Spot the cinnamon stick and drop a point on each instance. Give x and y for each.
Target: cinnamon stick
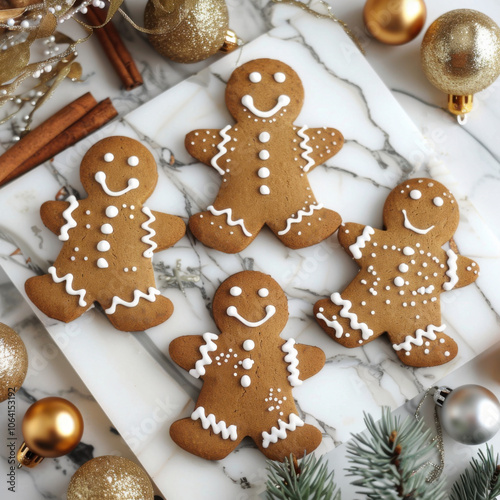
(114, 48)
(42, 135)
(93, 120)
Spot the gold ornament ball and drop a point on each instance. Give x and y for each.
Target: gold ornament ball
(461, 52)
(394, 22)
(110, 478)
(195, 29)
(13, 362)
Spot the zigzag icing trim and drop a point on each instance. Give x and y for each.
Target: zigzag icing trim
(332, 324)
(222, 150)
(300, 214)
(366, 332)
(291, 359)
(68, 278)
(226, 432)
(361, 240)
(418, 340)
(308, 149)
(147, 239)
(452, 270)
(150, 296)
(210, 346)
(70, 222)
(229, 219)
(276, 433)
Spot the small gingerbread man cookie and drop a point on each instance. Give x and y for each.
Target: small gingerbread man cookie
(109, 240)
(404, 270)
(264, 160)
(248, 374)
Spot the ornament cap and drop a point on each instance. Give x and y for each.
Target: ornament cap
(441, 394)
(28, 458)
(460, 104)
(231, 42)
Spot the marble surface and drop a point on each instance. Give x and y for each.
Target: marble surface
(373, 373)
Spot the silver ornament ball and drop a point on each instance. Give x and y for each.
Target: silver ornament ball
(470, 414)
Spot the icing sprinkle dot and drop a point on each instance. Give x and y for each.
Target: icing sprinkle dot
(264, 136)
(264, 154)
(235, 291)
(403, 268)
(111, 211)
(106, 229)
(438, 201)
(415, 194)
(102, 263)
(255, 77)
(399, 281)
(279, 77)
(109, 157)
(133, 161)
(248, 345)
(263, 292)
(245, 381)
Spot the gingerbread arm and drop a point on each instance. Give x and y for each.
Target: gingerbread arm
(51, 213)
(311, 360)
(354, 238)
(202, 144)
(169, 230)
(185, 351)
(466, 271)
(318, 145)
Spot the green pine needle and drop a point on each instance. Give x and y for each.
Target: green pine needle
(481, 480)
(313, 482)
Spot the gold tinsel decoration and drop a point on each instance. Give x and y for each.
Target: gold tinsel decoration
(13, 362)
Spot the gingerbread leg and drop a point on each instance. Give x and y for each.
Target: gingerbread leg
(54, 300)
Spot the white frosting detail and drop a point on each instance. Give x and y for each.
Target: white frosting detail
(100, 177)
(423, 290)
(235, 291)
(403, 268)
(291, 359)
(111, 211)
(226, 432)
(415, 194)
(399, 281)
(279, 77)
(70, 222)
(264, 136)
(222, 150)
(263, 172)
(229, 219)
(361, 240)
(298, 219)
(233, 312)
(418, 340)
(102, 263)
(103, 246)
(264, 190)
(150, 296)
(408, 251)
(276, 433)
(308, 149)
(148, 253)
(106, 229)
(264, 154)
(247, 363)
(263, 292)
(245, 381)
(452, 270)
(109, 157)
(209, 346)
(410, 226)
(366, 332)
(68, 278)
(255, 77)
(247, 101)
(332, 324)
(438, 201)
(249, 345)
(133, 161)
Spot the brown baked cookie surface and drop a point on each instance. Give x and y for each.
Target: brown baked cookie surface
(264, 160)
(109, 240)
(248, 374)
(404, 270)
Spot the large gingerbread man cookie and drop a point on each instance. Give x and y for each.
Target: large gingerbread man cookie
(263, 161)
(109, 240)
(404, 270)
(248, 374)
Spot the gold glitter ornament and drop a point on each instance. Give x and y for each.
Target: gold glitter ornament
(13, 362)
(198, 28)
(460, 56)
(110, 478)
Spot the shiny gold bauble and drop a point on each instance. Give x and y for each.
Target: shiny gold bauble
(52, 427)
(196, 29)
(394, 22)
(110, 478)
(13, 362)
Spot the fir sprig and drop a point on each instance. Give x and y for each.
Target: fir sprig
(481, 480)
(390, 460)
(311, 482)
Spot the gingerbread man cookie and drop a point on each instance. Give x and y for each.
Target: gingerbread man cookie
(264, 160)
(248, 374)
(404, 270)
(109, 240)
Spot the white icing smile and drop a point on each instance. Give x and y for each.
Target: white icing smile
(100, 177)
(410, 226)
(247, 101)
(233, 311)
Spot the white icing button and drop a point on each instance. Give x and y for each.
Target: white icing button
(111, 211)
(102, 263)
(403, 268)
(264, 154)
(398, 281)
(263, 173)
(247, 363)
(109, 157)
(263, 292)
(133, 161)
(264, 190)
(245, 381)
(408, 251)
(106, 229)
(264, 136)
(103, 246)
(248, 345)
(415, 194)
(235, 291)
(255, 77)
(279, 77)
(438, 201)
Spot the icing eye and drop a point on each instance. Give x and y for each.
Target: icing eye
(111, 211)
(109, 157)
(415, 194)
(438, 201)
(280, 77)
(133, 161)
(235, 291)
(255, 77)
(263, 292)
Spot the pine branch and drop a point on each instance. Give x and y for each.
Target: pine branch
(390, 461)
(481, 480)
(311, 482)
